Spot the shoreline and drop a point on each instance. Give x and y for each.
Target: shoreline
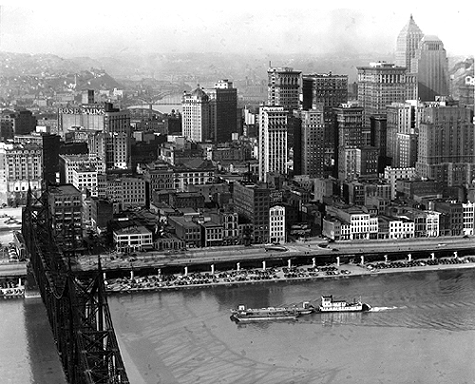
(205, 280)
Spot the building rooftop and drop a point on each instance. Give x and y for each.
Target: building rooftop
(133, 230)
(64, 189)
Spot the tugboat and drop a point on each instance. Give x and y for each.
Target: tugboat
(330, 305)
(243, 314)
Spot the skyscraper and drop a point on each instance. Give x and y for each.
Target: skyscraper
(312, 145)
(330, 91)
(223, 106)
(431, 66)
(272, 141)
(349, 123)
(379, 85)
(117, 129)
(407, 44)
(402, 131)
(283, 88)
(196, 115)
(446, 144)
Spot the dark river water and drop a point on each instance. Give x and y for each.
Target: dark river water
(421, 330)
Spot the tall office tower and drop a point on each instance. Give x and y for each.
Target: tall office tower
(379, 85)
(446, 142)
(117, 128)
(432, 68)
(403, 121)
(65, 206)
(195, 122)
(312, 146)
(407, 44)
(283, 88)
(51, 147)
(330, 91)
(273, 154)
(349, 124)
(223, 106)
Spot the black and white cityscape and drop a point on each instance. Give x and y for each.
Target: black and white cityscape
(163, 169)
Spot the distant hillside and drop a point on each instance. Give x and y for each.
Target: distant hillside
(17, 64)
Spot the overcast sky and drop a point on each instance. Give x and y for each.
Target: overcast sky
(314, 27)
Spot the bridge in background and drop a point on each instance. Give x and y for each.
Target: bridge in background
(77, 308)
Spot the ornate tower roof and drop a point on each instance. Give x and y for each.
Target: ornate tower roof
(407, 43)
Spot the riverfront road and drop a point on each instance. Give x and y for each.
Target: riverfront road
(400, 248)
(17, 269)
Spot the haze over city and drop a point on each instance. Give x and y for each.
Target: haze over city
(93, 28)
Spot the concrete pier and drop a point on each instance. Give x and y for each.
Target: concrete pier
(186, 271)
(362, 260)
(263, 265)
(314, 262)
(289, 263)
(338, 261)
(132, 274)
(409, 257)
(238, 267)
(432, 256)
(385, 258)
(212, 269)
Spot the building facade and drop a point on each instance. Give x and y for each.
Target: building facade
(23, 165)
(432, 68)
(196, 116)
(283, 88)
(329, 91)
(379, 85)
(277, 225)
(223, 110)
(252, 202)
(273, 155)
(65, 208)
(312, 146)
(446, 144)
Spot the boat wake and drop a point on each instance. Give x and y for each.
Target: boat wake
(381, 309)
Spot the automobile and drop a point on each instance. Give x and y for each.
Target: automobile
(466, 236)
(335, 249)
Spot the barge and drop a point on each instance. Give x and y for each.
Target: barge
(243, 314)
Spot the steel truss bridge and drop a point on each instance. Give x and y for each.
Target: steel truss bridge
(77, 309)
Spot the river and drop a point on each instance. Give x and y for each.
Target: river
(28, 354)
(421, 330)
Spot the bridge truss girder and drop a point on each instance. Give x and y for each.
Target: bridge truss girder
(77, 310)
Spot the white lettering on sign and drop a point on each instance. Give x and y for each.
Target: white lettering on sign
(469, 80)
(82, 111)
